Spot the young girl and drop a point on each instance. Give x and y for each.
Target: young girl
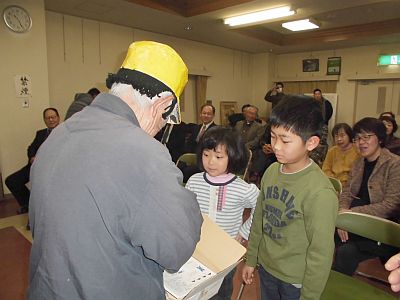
(341, 157)
(220, 193)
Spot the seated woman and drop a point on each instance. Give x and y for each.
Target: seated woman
(373, 188)
(341, 157)
(392, 143)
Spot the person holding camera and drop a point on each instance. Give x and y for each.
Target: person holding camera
(275, 94)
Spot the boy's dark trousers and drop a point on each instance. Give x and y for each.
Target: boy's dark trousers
(273, 288)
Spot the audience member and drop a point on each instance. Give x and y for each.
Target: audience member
(392, 143)
(318, 155)
(263, 156)
(17, 181)
(275, 94)
(207, 114)
(221, 194)
(373, 188)
(291, 238)
(393, 265)
(108, 209)
(341, 157)
(81, 100)
(178, 136)
(249, 129)
(234, 118)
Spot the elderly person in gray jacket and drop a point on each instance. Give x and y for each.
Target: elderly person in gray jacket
(108, 211)
(373, 188)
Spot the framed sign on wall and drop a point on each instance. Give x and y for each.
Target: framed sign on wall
(334, 65)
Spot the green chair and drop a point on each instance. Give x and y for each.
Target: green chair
(343, 287)
(190, 159)
(336, 184)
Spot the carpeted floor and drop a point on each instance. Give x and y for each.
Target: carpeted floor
(14, 263)
(15, 245)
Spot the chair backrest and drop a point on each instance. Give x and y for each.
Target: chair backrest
(371, 227)
(245, 173)
(190, 159)
(336, 184)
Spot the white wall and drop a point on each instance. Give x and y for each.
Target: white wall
(358, 61)
(22, 54)
(65, 54)
(82, 56)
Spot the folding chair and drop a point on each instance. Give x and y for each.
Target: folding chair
(246, 174)
(190, 159)
(336, 184)
(343, 287)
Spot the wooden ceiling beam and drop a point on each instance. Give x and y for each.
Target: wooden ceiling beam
(199, 7)
(173, 7)
(323, 36)
(188, 8)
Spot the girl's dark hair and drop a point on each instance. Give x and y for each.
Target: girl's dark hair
(372, 125)
(347, 129)
(237, 151)
(299, 114)
(385, 113)
(391, 120)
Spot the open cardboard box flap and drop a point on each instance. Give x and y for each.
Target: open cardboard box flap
(219, 252)
(216, 249)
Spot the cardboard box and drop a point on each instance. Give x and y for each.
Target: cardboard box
(218, 252)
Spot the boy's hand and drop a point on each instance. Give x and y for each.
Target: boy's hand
(248, 274)
(344, 236)
(393, 265)
(267, 149)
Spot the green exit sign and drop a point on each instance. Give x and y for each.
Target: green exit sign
(385, 60)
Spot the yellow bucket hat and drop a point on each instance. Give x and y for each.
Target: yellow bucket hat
(161, 62)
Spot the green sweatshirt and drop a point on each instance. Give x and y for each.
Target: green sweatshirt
(293, 228)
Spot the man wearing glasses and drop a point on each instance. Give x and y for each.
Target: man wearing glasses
(16, 181)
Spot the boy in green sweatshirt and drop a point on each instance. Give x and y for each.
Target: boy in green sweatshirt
(291, 237)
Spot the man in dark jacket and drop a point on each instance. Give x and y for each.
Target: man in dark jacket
(108, 211)
(275, 94)
(17, 181)
(81, 100)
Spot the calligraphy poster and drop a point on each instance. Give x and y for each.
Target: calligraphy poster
(23, 86)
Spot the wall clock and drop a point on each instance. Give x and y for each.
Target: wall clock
(17, 19)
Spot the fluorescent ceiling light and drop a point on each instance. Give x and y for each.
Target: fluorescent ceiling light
(260, 16)
(299, 25)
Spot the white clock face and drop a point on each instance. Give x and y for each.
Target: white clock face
(17, 19)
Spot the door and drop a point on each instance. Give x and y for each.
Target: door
(376, 96)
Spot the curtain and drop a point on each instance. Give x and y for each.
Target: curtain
(201, 88)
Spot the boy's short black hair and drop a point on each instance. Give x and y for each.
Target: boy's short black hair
(347, 129)
(299, 114)
(93, 92)
(279, 83)
(317, 90)
(372, 125)
(237, 151)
